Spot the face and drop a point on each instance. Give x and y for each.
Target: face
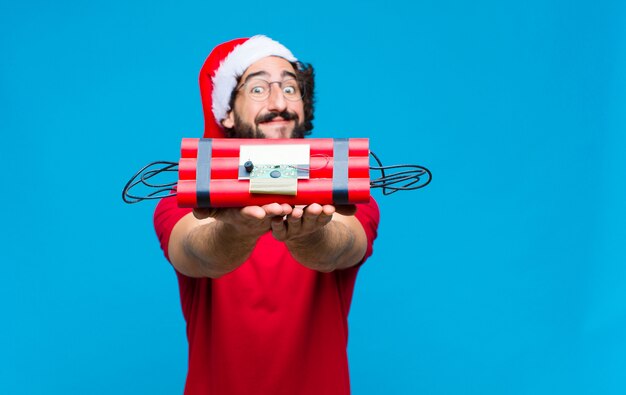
(274, 117)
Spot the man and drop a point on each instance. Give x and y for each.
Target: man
(265, 290)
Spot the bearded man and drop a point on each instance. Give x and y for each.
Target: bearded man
(265, 290)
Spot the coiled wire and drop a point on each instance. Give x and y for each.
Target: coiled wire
(409, 177)
(143, 176)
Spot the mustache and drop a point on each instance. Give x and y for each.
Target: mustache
(286, 115)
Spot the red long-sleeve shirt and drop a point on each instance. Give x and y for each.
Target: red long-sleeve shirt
(272, 326)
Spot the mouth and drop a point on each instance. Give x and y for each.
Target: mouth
(276, 118)
(276, 124)
(275, 121)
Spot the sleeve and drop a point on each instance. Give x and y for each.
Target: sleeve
(166, 215)
(368, 215)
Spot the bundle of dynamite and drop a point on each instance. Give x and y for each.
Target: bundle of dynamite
(242, 172)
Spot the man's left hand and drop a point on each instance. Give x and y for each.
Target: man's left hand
(306, 220)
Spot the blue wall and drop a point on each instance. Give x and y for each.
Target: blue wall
(505, 276)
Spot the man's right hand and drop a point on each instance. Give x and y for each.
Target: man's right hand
(213, 242)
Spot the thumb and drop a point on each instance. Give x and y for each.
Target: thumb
(202, 213)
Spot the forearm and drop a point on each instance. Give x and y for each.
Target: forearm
(209, 247)
(329, 248)
(211, 243)
(217, 249)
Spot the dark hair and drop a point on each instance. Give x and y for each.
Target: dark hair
(306, 80)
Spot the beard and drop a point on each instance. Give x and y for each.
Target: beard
(245, 130)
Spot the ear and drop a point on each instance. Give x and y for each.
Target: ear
(229, 121)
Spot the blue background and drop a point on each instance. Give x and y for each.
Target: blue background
(505, 276)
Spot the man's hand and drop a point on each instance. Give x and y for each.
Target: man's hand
(213, 242)
(322, 238)
(306, 220)
(251, 221)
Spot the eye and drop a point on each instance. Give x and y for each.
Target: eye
(257, 89)
(290, 88)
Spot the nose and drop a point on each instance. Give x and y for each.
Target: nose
(276, 101)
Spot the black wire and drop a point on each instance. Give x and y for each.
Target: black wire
(152, 173)
(142, 177)
(407, 178)
(410, 177)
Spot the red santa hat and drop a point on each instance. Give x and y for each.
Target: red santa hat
(218, 76)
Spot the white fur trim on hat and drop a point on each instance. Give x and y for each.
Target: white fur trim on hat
(236, 63)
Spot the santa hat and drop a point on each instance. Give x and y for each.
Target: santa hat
(218, 76)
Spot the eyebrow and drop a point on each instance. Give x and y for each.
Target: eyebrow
(256, 74)
(263, 73)
(286, 73)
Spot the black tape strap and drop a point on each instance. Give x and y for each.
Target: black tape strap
(340, 171)
(203, 173)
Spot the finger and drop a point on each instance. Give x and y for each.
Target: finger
(346, 209)
(316, 213)
(322, 220)
(326, 214)
(287, 209)
(313, 210)
(310, 217)
(203, 213)
(275, 209)
(279, 230)
(328, 209)
(255, 212)
(296, 214)
(294, 221)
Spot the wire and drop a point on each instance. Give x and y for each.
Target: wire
(317, 168)
(145, 174)
(407, 178)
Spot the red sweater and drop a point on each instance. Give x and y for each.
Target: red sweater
(270, 327)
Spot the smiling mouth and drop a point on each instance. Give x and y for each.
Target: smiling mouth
(277, 117)
(275, 121)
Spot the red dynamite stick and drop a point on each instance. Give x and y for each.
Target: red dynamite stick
(189, 148)
(186, 193)
(228, 168)
(187, 168)
(231, 147)
(235, 193)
